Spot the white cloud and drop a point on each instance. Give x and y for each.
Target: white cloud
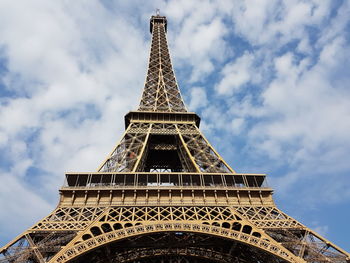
(301, 95)
(298, 114)
(309, 120)
(198, 98)
(28, 206)
(237, 125)
(198, 41)
(236, 74)
(304, 46)
(71, 76)
(274, 23)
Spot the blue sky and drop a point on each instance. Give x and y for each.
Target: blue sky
(270, 80)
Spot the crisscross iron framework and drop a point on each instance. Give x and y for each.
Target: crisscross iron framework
(165, 195)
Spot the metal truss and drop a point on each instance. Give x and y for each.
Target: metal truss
(165, 247)
(268, 217)
(299, 239)
(165, 195)
(161, 92)
(110, 235)
(72, 218)
(93, 227)
(36, 247)
(195, 152)
(125, 155)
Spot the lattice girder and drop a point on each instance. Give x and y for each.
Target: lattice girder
(296, 237)
(103, 239)
(35, 246)
(121, 222)
(194, 151)
(193, 246)
(80, 220)
(125, 155)
(161, 92)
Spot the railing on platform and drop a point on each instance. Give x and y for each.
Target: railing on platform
(152, 180)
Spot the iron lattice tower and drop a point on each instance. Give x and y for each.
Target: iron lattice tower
(165, 195)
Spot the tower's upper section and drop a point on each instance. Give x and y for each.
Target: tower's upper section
(157, 19)
(161, 92)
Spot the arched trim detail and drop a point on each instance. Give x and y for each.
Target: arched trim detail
(80, 248)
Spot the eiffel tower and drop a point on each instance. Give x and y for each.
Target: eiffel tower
(165, 195)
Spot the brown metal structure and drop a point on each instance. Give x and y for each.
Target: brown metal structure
(165, 195)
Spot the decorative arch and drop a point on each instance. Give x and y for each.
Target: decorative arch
(93, 242)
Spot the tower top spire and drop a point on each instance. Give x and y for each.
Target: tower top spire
(161, 92)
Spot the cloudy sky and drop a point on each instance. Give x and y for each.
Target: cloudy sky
(270, 80)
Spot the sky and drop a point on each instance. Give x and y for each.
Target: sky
(270, 80)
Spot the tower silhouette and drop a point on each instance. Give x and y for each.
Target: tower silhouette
(165, 195)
